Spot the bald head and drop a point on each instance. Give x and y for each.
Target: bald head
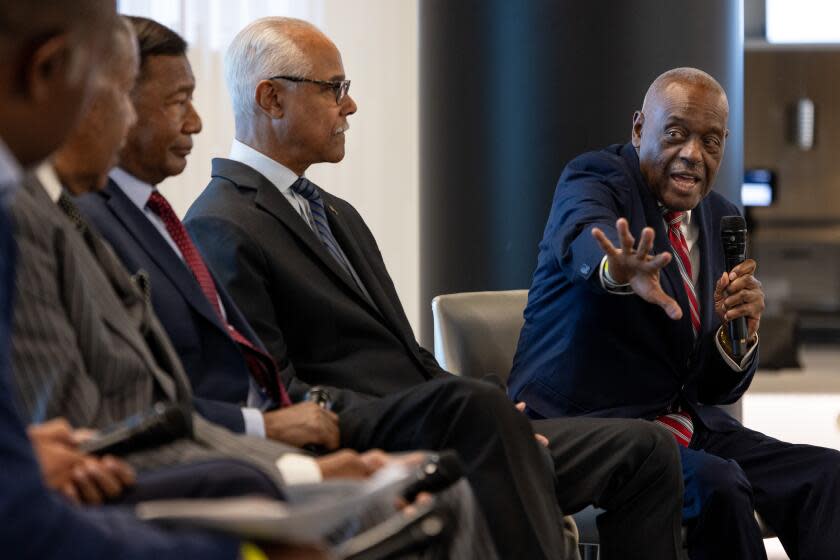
(680, 134)
(681, 77)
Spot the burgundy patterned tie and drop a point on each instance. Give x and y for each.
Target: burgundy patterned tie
(262, 366)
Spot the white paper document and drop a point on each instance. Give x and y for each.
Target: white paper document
(311, 512)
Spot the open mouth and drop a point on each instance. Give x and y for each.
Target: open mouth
(685, 181)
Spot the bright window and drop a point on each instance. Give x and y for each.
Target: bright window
(803, 21)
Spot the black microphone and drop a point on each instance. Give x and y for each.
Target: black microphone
(733, 233)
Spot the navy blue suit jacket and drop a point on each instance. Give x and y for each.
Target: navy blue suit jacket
(583, 351)
(213, 361)
(39, 524)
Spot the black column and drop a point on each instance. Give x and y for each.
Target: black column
(511, 90)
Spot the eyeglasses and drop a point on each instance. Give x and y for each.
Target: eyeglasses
(340, 87)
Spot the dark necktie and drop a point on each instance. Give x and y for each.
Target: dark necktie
(262, 366)
(310, 192)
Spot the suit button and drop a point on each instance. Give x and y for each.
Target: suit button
(584, 269)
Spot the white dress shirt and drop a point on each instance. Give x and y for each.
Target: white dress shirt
(277, 174)
(691, 232)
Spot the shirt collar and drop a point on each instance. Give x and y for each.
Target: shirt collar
(136, 190)
(280, 176)
(686, 220)
(49, 180)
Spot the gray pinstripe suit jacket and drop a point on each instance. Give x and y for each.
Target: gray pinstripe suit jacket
(87, 345)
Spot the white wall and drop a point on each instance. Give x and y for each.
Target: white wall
(379, 175)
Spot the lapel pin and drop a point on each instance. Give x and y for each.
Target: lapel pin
(333, 210)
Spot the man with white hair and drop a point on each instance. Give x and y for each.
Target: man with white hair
(305, 270)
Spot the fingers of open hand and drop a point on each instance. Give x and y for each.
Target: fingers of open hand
(656, 263)
(666, 302)
(645, 244)
(605, 243)
(625, 238)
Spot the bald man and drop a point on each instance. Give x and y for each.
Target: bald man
(616, 328)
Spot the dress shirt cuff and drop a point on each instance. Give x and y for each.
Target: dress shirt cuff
(609, 284)
(254, 423)
(745, 361)
(299, 469)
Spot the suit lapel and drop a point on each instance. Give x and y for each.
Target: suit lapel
(136, 309)
(670, 277)
(271, 200)
(151, 241)
(706, 281)
(349, 243)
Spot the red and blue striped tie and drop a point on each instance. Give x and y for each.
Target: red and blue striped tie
(679, 423)
(675, 235)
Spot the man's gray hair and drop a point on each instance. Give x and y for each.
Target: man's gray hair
(264, 48)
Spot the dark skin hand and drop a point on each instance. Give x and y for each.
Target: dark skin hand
(303, 424)
(637, 267)
(737, 294)
(79, 477)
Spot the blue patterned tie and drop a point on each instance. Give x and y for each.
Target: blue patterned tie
(309, 191)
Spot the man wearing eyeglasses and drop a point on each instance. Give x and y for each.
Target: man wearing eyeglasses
(306, 272)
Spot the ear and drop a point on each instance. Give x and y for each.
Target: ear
(269, 97)
(638, 123)
(49, 65)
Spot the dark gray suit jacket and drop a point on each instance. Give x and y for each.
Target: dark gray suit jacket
(301, 302)
(87, 345)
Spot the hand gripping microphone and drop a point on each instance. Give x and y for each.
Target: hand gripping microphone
(733, 233)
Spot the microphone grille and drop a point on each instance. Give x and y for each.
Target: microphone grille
(733, 223)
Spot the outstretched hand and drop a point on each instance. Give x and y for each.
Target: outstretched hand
(636, 267)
